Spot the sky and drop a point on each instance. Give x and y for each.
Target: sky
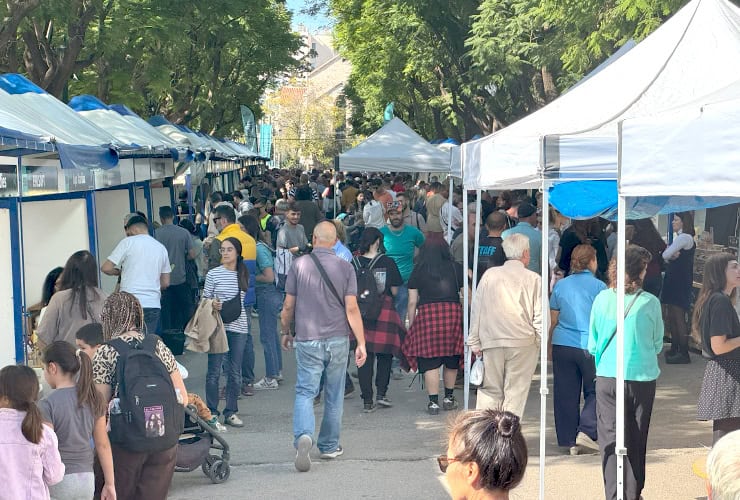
(313, 23)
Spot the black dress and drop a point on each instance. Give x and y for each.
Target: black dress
(679, 280)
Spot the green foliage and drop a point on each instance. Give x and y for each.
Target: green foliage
(194, 61)
(463, 67)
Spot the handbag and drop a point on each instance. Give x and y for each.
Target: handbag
(232, 308)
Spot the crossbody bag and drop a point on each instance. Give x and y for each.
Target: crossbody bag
(614, 333)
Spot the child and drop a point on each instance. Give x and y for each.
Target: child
(89, 337)
(77, 412)
(29, 459)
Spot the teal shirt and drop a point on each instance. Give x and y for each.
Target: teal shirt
(643, 336)
(264, 260)
(400, 246)
(535, 244)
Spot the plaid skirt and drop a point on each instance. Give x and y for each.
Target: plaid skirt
(436, 331)
(386, 334)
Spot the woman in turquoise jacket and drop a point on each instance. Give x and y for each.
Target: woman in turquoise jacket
(643, 341)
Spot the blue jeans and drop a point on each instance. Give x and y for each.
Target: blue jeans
(248, 355)
(401, 301)
(314, 358)
(151, 319)
(233, 360)
(269, 302)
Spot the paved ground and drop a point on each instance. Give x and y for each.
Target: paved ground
(390, 454)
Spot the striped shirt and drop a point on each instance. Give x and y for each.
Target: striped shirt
(223, 285)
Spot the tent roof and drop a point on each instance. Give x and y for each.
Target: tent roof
(690, 151)
(395, 147)
(575, 136)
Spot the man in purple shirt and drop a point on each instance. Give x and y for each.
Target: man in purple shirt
(327, 312)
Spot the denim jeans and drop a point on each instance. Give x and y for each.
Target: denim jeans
(269, 302)
(314, 357)
(401, 301)
(248, 354)
(233, 360)
(151, 319)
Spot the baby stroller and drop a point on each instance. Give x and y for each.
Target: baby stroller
(196, 442)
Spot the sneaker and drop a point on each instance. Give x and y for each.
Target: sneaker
(255, 313)
(332, 454)
(370, 407)
(247, 389)
(233, 421)
(585, 444)
(449, 403)
(302, 457)
(575, 450)
(279, 377)
(679, 358)
(384, 401)
(433, 408)
(349, 392)
(218, 426)
(266, 384)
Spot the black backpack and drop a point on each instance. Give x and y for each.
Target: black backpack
(145, 416)
(369, 298)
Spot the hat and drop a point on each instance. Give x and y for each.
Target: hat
(393, 206)
(525, 210)
(132, 219)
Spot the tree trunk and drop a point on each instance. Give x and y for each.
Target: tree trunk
(548, 85)
(18, 10)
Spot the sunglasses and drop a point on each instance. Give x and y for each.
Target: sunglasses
(216, 219)
(444, 461)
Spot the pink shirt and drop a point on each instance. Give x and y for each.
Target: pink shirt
(26, 469)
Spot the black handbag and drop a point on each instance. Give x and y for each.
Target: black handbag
(232, 308)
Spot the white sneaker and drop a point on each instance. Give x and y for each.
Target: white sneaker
(266, 384)
(233, 421)
(302, 457)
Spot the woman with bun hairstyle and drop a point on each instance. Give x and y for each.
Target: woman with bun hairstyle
(76, 411)
(486, 455)
(29, 458)
(716, 319)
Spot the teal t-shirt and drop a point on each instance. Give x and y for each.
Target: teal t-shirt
(400, 247)
(264, 260)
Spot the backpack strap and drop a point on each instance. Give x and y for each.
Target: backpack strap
(374, 261)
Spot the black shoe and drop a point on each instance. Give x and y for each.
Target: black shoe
(433, 408)
(449, 403)
(384, 401)
(349, 391)
(679, 358)
(369, 407)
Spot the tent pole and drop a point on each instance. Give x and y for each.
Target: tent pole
(466, 301)
(22, 268)
(545, 288)
(476, 245)
(449, 213)
(621, 451)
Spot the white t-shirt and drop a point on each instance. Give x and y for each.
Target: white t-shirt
(142, 260)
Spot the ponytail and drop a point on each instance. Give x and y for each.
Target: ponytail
(20, 387)
(73, 362)
(32, 426)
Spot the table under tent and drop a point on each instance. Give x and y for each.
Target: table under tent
(575, 138)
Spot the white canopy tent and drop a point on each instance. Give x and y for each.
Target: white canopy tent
(395, 147)
(686, 58)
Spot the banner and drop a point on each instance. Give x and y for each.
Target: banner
(266, 140)
(250, 127)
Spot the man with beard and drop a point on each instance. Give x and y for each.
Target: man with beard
(401, 242)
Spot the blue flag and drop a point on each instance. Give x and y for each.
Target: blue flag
(388, 113)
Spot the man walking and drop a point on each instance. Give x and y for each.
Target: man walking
(144, 267)
(527, 226)
(401, 242)
(490, 249)
(291, 241)
(434, 208)
(321, 292)
(177, 299)
(506, 327)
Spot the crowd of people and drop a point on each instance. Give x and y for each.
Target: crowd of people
(332, 265)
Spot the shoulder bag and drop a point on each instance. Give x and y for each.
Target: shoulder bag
(326, 279)
(626, 313)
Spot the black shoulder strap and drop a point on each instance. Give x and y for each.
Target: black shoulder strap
(326, 278)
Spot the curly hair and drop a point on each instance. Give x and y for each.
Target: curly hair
(636, 260)
(122, 313)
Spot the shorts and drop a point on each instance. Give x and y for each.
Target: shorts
(450, 362)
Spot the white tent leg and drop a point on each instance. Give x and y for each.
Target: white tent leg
(545, 331)
(621, 451)
(449, 213)
(466, 301)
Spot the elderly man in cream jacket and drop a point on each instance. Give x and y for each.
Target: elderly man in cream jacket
(506, 327)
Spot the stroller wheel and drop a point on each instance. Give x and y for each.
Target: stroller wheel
(219, 472)
(208, 463)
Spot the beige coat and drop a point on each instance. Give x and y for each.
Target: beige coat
(206, 330)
